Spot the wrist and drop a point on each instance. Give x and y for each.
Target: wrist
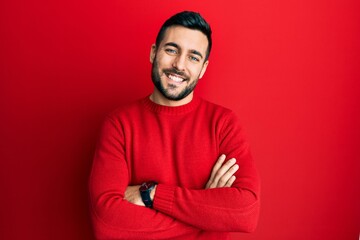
(147, 193)
(152, 193)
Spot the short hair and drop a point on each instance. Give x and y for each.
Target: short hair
(187, 19)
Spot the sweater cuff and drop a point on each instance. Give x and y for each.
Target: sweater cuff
(164, 198)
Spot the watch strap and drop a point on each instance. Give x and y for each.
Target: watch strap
(145, 190)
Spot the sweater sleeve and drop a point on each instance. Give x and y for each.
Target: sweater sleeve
(219, 209)
(112, 216)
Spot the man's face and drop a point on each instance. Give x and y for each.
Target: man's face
(179, 62)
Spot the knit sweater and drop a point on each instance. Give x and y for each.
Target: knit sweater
(177, 147)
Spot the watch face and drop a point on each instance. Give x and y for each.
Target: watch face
(147, 185)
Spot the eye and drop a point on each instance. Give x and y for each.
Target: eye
(195, 59)
(170, 51)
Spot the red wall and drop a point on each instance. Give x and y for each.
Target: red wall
(290, 69)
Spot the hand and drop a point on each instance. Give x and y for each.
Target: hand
(222, 175)
(132, 195)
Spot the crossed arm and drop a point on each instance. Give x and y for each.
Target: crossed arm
(222, 175)
(177, 210)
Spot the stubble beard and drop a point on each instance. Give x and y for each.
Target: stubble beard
(156, 79)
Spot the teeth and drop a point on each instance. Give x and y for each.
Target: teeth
(176, 79)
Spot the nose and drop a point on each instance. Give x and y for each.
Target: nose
(179, 62)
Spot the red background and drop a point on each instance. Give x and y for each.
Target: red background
(290, 69)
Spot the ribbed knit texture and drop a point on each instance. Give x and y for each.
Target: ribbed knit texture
(177, 147)
(164, 198)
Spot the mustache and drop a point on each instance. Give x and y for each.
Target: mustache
(175, 71)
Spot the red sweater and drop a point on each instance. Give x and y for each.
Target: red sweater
(176, 147)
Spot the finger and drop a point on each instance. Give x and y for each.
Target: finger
(225, 178)
(222, 171)
(231, 181)
(216, 167)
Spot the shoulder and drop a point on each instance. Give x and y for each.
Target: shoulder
(127, 110)
(224, 118)
(217, 110)
(128, 107)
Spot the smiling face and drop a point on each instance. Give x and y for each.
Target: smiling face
(178, 63)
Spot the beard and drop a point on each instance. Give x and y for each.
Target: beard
(166, 92)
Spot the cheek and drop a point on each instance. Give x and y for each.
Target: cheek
(164, 61)
(195, 71)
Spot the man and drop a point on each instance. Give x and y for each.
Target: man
(172, 165)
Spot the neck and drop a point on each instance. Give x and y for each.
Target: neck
(158, 98)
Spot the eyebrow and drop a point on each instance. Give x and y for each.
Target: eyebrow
(172, 44)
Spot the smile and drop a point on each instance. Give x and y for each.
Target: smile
(175, 78)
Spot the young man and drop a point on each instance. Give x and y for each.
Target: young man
(172, 165)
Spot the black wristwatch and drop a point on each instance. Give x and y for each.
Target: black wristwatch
(145, 190)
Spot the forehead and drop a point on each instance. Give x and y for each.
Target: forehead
(185, 38)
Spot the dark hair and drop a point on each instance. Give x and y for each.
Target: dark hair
(190, 20)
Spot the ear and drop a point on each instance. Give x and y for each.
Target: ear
(152, 53)
(203, 70)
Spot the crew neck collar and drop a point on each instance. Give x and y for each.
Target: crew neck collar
(173, 110)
